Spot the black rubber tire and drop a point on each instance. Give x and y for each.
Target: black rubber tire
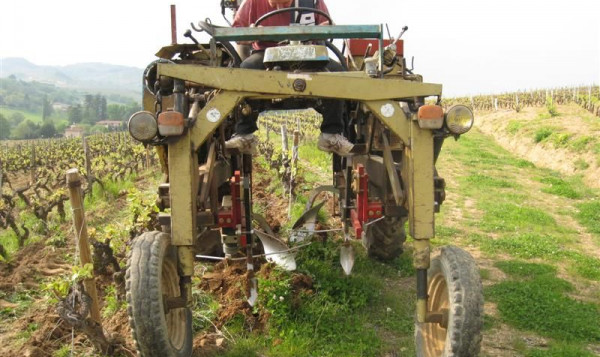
(453, 283)
(383, 239)
(151, 274)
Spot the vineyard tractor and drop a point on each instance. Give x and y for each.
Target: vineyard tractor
(193, 95)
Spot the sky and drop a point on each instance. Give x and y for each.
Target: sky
(470, 46)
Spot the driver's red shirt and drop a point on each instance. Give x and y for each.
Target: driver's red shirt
(252, 10)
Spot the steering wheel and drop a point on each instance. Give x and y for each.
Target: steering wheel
(290, 9)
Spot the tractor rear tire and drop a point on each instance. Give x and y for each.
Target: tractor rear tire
(151, 277)
(453, 284)
(384, 238)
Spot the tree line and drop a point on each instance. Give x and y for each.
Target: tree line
(27, 102)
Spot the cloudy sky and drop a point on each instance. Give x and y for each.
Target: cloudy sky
(470, 46)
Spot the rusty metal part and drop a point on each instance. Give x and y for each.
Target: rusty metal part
(391, 171)
(186, 267)
(173, 25)
(421, 254)
(438, 317)
(299, 85)
(246, 109)
(207, 172)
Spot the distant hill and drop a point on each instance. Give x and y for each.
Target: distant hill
(88, 77)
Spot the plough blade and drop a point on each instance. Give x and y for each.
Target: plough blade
(307, 222)
(277, 251)
(347, 257)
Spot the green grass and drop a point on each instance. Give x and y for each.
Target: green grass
(8, 239)
(521, 269)
(339, 315)
(485, 181)
(584, 265)
(582, 143)
(538, 302)
(558, 186)
(528, 245)
(560, 349)
(510, 217)
(560, 140)
(514, 126)
(581, 164)
(542, 134)
(589, 215)
(22, 299)
(34, 117)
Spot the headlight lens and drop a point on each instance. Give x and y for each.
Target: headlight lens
(142, 126)
(459, 119)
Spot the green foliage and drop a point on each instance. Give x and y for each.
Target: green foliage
(63, 351)
(47, 130)
(4, 128)
(112, 303)
(542, 133)
(22, 299)
(25, 130)
(551, 107)
(540, 303)
(330, 316)
(581, 164)
(204, 308)
(581, 144)
(142, 208)
(30, 96)
(244, 348)
(59, 287)
(560, 139)
(514, 126)
(275, 294)
(9, 241)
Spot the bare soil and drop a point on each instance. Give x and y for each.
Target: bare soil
(544, 154)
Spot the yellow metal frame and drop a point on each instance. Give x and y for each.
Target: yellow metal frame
(379, 95)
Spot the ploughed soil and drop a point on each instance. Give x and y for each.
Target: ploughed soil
(34, 328)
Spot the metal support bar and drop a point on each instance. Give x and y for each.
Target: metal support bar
(342, 85)
(390, 167)
(300, 33)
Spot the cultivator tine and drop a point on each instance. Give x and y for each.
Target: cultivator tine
(347, 257)
(346, 250)
(252, 281)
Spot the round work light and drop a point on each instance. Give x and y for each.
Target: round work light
(459, 119)
(143, 126)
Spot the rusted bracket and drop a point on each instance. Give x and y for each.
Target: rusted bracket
(439, 317)
(388, 160)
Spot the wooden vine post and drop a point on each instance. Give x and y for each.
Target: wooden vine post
(85, 256)
(293, 170)
(88, 161)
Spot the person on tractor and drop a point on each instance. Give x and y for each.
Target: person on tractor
(331, 139)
